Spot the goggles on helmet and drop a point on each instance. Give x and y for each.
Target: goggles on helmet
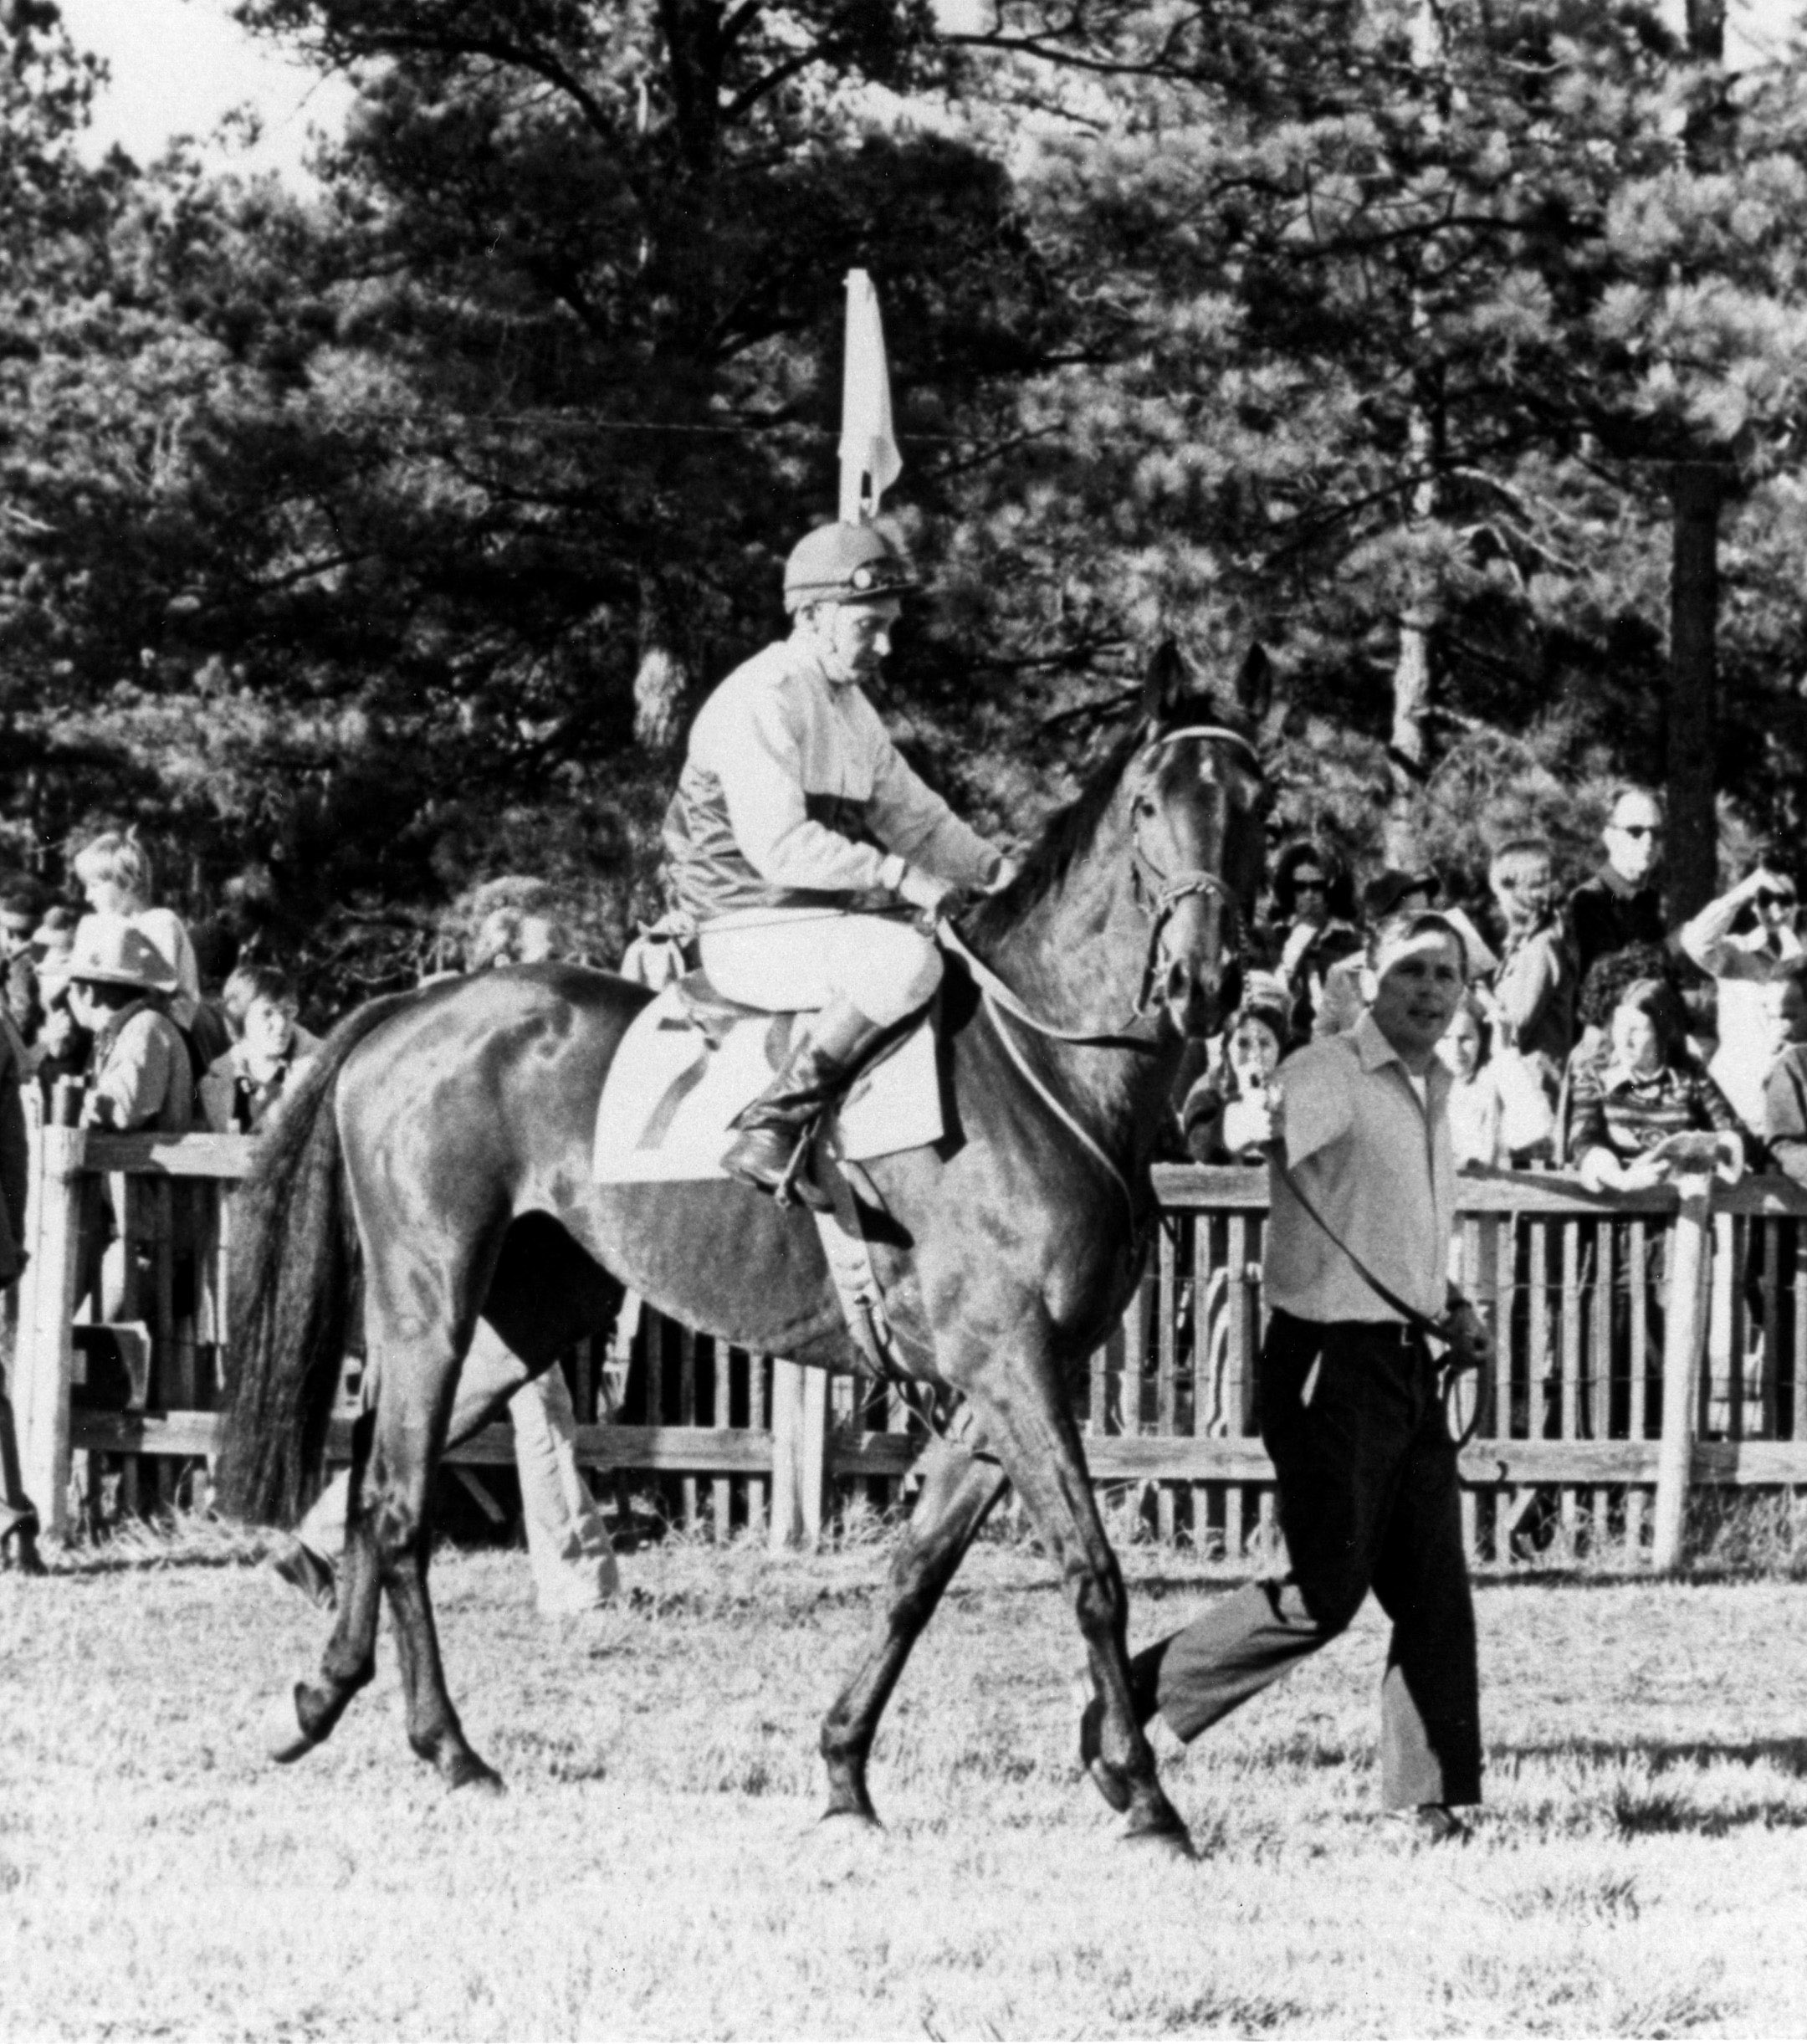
(871, 575)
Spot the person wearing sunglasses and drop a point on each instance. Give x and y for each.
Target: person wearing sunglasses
(1749, 942)
(1313, 930)
(1621, 904)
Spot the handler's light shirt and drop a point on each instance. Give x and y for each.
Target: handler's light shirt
(1379, 1168)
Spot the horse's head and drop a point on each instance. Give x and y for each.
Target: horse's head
(1197, 800)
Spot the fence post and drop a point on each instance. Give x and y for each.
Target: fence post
(799, 1455)
(46, 1344)
(1682, 1336)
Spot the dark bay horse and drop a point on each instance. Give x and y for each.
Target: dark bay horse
(435, 1161)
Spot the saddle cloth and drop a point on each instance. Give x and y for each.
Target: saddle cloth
(685, 1069)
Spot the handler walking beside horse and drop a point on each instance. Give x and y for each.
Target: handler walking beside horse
(1363, 1196)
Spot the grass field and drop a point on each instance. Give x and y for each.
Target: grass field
(656, 1870)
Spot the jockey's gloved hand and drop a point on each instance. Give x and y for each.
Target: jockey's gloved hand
(923, 890)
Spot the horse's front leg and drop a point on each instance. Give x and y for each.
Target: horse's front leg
(958, 1490)
(1017, 1394)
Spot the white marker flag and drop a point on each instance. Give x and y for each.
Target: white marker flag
(870, 463)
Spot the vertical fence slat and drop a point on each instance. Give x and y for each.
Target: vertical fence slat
(1798, 1359)
(1505, 1240)
(1204, 1368)
(758, 1415)
(1167, 1366)
(1770, 1236)
(1600, 1326)
(1690, 1247)
(1731, 1240)
(1637, 1289)
(46, 1352)
(1171, 1294)
(687, 1409)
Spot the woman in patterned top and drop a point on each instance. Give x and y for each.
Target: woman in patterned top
(1642, 1088)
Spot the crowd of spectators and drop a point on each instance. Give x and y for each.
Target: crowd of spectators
(1593, 1036)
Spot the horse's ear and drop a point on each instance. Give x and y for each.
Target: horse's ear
(1255, 683)
(1164, 687)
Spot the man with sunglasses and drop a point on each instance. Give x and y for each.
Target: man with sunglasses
(797, 832)
(1621, 904)
(1757, 971)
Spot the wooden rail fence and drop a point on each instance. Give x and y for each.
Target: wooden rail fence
(1648, 1346)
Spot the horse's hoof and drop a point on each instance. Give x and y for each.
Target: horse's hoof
(464, 1771)
(852, 1817)
(1111, 1783)
(1172, 1841)
(285, 1738)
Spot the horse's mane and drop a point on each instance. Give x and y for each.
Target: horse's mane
(1070, 832)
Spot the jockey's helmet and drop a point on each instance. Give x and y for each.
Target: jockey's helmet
(845, 563)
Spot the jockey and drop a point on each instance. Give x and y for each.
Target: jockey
(797, 830)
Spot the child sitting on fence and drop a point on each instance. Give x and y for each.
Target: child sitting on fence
(1641, 1091)
(116, 873)
(1475, 1107)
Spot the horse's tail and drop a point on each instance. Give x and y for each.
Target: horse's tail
(293, 1265)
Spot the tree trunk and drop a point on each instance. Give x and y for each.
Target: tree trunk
(1696, 490)
(1408, 743)
(1406, 748)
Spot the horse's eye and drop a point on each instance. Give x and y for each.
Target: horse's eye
(1146, 806)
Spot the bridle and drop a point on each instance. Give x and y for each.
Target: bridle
(1157, 894)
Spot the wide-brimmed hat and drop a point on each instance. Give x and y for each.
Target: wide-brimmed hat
(111, 950)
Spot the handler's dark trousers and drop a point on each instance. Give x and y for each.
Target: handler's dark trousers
(1368, 1499)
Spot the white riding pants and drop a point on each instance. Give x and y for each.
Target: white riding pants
(783, 959)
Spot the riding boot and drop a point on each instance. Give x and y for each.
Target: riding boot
(819, 1069)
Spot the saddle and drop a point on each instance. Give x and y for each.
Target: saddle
(693, 1059)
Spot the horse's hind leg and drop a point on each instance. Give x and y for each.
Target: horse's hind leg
(958, 1490)
(350, 1657)
(413, 1411)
